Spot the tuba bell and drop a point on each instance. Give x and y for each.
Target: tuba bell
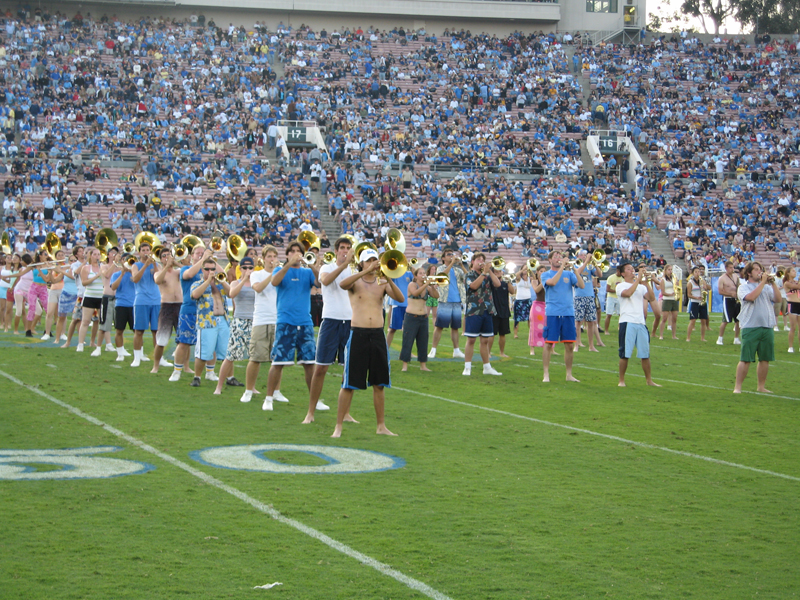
(393, 264)
(104, 241)
(395, 240)
(308, 239)
(146, 237)
(191, 242)
(235, 248)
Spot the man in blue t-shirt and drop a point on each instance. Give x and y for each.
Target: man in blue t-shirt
(398, 308)
(146, 303)
(123, 310)
(294, 330)
(187, 318)
(560, 309)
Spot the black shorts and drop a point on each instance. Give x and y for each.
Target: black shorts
(500, 325)
(730, 310)
(698, 311)
(92, 303)
(366, 359)
(123, 316)
(794, 308)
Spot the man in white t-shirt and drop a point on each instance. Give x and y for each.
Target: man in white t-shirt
(334, 331)
(632, 292)
(265, 316)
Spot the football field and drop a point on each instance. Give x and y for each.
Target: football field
(115, 483)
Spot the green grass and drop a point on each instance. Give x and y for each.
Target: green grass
(490, 503)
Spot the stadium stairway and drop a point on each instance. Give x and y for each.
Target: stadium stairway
(329, 224)
(660, 245)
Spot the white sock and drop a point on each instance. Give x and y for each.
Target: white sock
(468, 366)
(120, 350)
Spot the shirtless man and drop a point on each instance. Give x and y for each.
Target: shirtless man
(727, 285)
(169, 284)
(366, 356)
(108, 306)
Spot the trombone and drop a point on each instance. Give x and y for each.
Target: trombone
(440, 279)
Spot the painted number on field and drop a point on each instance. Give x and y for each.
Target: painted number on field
(256, 457)
(70, 463)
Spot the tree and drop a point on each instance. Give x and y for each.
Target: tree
(769, 16)
(716, 10)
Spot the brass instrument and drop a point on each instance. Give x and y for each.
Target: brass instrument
(395, 240)
(328, 258)
(128, 248)
(310, 259)
(104, 241)
(308, 239)
(413, 262)
(191, 242)
(393, 264)
(360, 247)
(440, 279)
(499, 263)
(217, 242)
(5, 243)
(52, 245)
(48, 262)
(221, 277)
(532, 264)
(780, 273)
(146, 237)
(598, 256)
(180, 252)
(352, 239)
(235, 248)
(130, 261)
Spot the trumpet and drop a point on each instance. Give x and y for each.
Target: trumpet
(128, 248)
(532, 264)
(180, 252)
(328, 258)
(499, 263)
(221, 277)
(440, 279)
(413, 262)
(310, 258)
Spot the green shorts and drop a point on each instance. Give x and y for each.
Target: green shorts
(758, 340)
(431, 301)
(670, 306)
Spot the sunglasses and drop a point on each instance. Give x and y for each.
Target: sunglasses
(209, 269)
(248, 268)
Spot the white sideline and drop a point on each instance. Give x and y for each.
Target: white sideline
(266, 509)
(601, 435)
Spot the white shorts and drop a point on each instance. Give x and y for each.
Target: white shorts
(612, 305)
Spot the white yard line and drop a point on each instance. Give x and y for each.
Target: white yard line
(258, 505)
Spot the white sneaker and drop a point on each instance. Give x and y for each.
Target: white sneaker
(791, 350)
(785, 328)
(737, 341)
(45, 337)
(489, 370)
(63, 337)
(720, 342)
(432, 353)
(775, 328)
(164, 363)
(211, 376)
(458, 353)
(143, 358)
(125, 353)
(176, 376)
(110, 348)
(267, 404)
(278, 397)
(79, 348)
(120, 358)
(322, 406)
(97, 351)
(467, 370)
(136, 362)
(247, 396)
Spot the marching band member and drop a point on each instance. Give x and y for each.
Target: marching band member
(560, 310)
(448, 313)
(53, 295)
(585, 311)
(125, 294)
(523, 299)
(147, 302)
(538, 318)
(37, 292)
(633, 292)
(108, 303)
(241, 324)
(213, 329)
(92, 280)
(758, 295)
(480, 310)
(612, 302)
(367, 354)
(265, 315)
(294, 330)
(502, 307)
(669, 304)
(80, 254)
(187, 318)
(792, 289)
(415, 325)
(726, 287)
(168, 280)
(698, 309)
(398, 309)
(335, 328)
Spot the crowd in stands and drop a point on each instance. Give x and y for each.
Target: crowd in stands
(463, 140)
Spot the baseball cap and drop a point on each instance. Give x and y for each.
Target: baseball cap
(367, 254)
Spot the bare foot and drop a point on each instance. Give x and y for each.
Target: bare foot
(533, 353)
(675, 338)
(504, 356)
(424, 368)
(65, 345)
(601, 344)
(383, 431)
(621, 384)
(349, 419)
(661, 337)
(735, 391)
(546, 379)
(593, 350)
(337, 432)
(217, 392)
(556, 353)
(309, 419)
(688, 340)
(404, 369)
(571, 378)
(191, 372)
(764, 391)
(653, 383)
(516, 337)
(581, 345)
(154, 370)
